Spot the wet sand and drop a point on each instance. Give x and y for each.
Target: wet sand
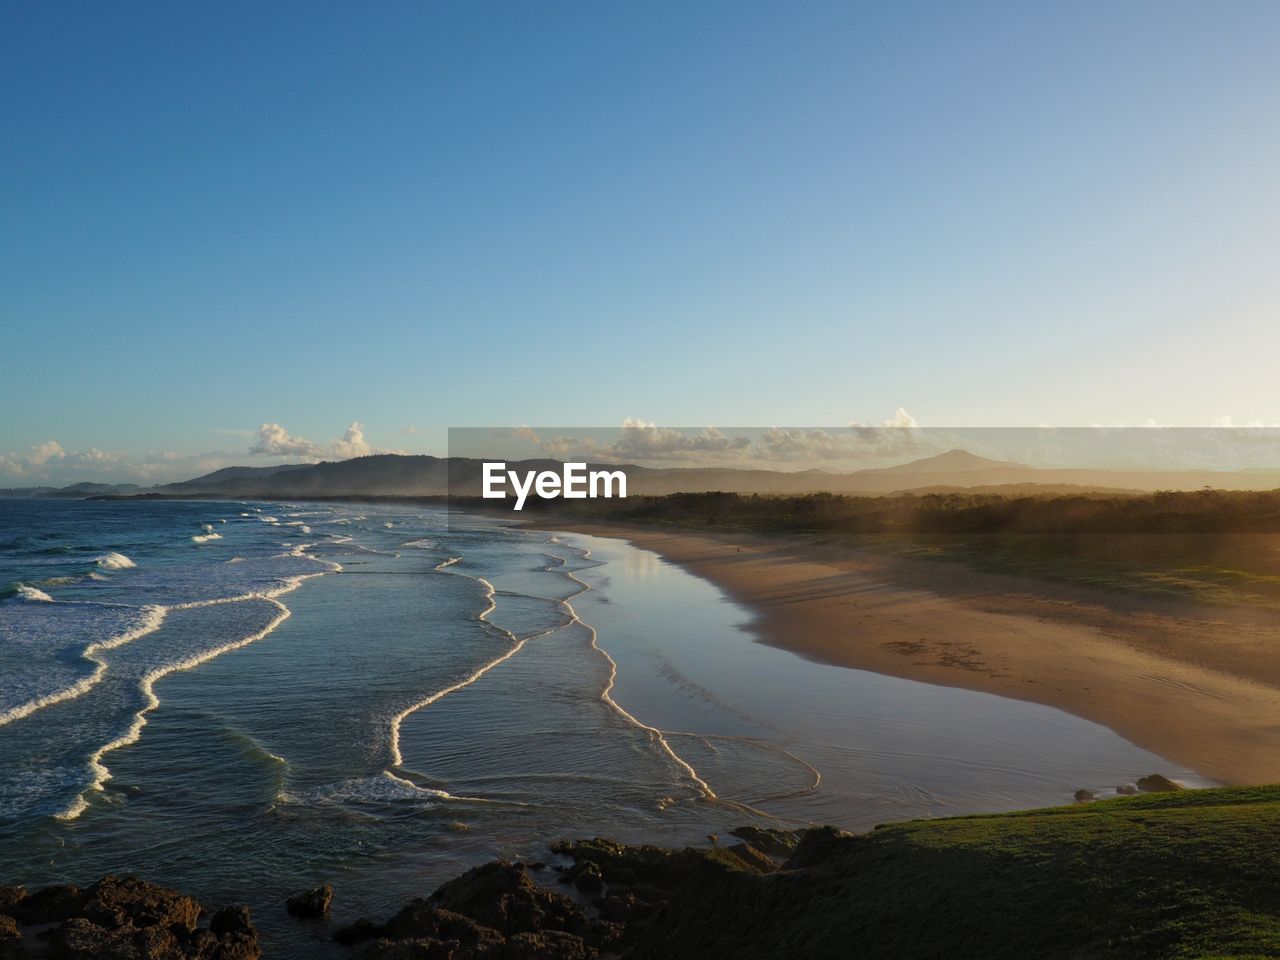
(1197, 685)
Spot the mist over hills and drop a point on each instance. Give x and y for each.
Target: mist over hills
(394, 475)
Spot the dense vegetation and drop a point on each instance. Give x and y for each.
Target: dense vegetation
(1201, 511)
(1209, 546)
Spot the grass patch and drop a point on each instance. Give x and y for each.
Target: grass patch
(1184, 875)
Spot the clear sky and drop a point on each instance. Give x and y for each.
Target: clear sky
(409, 216)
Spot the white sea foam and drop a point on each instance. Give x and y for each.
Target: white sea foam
(379, 788)
(115, 561)
(656, 735)
(97, 768)
(206, 537)
(149, 619)
(517, 644)
(99, 772)
(23, 592)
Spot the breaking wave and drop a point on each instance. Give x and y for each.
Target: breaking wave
(115, 561)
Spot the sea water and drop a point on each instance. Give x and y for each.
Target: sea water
(242, 700)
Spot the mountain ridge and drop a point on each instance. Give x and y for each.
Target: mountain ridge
(422, 475)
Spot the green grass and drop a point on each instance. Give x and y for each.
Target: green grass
(1184, 875)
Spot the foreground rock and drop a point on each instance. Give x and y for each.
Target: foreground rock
(1157, 783)
(497, 911)
(493, 911)
(311, 904)
(120, 918)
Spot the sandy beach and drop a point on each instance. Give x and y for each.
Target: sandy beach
(1197, 685)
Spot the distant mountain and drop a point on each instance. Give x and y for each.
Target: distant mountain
(390, 475)
(241, 473)
(953, 461)
(76, 491)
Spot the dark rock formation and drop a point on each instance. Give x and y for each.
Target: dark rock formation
(358, 932)
(816, 847)
(120, 902)
(497, 911)
(10, 897)
(49, 905)
(753, 857)
(311, 904)
(124, 918)
(1157, 783)
(493, 911)
(547, 945)
(10, 936)
(501, 895)
(776, 844)
(1084, 796)
(1126, 790)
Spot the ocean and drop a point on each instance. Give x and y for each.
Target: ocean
(242, 700)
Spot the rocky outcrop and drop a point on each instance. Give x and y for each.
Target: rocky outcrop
(502, 895)
(311, 904)
(122, 918)
(775, 844)
(494, 911)
(10, 897)
(497, 911)
(1157, 783)
(10, 937)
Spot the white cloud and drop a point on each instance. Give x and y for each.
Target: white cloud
(1253, 424)
(275, 441)
(49, 463)
(647, 441)
(49, 458)
(408, 431)
(644, 442)
(352, 443)
(30, 463)
(42, 453)
(901, 418)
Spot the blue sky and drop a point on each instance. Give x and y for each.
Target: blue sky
(427, 215)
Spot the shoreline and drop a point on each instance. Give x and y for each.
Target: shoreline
(1199, 686)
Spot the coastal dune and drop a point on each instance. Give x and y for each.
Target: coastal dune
(1195, 684)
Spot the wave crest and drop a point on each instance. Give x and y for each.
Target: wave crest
(115, 561)
(23, 592)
